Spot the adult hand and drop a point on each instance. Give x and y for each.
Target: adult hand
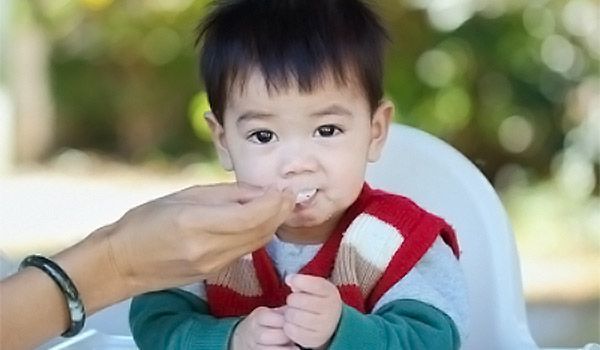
(313, 311)
(167, 242)
(262, 329)
(182, 237)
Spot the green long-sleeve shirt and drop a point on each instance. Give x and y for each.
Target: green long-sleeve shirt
(177, 320)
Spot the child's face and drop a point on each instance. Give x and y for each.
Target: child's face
(315, 141)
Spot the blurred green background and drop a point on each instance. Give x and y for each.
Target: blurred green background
(513, 84)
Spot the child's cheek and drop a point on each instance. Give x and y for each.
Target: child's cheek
(256, 175)
(261, 170)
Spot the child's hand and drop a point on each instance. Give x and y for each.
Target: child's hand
(262, 330)
(313, 311)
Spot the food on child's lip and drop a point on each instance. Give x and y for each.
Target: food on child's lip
(305, 195)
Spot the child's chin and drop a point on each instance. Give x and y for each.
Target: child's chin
(302, 220)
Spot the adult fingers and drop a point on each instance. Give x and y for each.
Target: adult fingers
(268, 210)
(278, 203)
(229, 231)
(222, 193)
(243, 245)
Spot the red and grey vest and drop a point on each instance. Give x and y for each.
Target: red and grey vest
(378, 240)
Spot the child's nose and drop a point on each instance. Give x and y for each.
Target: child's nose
(298, 161)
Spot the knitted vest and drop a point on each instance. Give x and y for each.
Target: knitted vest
(378, 240)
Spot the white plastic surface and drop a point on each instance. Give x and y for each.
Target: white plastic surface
(95, 340)
(440, 179)
(106, 330)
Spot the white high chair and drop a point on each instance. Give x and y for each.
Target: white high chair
(442, 180)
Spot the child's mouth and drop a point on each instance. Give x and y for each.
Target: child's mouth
(305, 195)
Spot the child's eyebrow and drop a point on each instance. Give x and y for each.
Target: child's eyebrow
(333, 109)
(248, 115)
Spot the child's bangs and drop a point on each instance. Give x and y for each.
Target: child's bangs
(301, 76)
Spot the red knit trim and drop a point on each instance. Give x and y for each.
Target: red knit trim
(398, 211)
(449, 237)
(352, 296)
(273, 288)
(225, 302)
(418, 242)
(402, 213)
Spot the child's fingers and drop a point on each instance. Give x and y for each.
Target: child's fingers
(307, 302)
(301, 318)
(272, 336)
(309, 284)
(280, 310)
(301, 336)
(270, 318)
(277, 347)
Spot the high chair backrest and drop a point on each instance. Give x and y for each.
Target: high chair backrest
(443, 181)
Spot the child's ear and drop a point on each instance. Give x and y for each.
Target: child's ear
(218, 138)
(380, 124)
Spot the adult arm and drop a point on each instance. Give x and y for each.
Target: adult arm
(167, 242)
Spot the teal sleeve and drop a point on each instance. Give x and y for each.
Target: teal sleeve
(176, 319)
(400, 324)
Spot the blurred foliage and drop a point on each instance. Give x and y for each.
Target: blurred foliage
(124, 76)
(508, 82)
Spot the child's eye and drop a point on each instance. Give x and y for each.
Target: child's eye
(262, 136)
(328, 130)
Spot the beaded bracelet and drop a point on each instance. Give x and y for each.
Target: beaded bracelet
(58, 275)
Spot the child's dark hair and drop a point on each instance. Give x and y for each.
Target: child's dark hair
(291, 41)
